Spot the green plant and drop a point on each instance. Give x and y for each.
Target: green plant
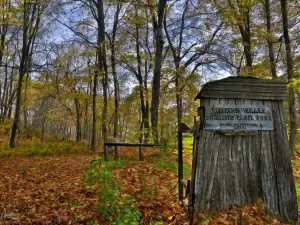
(156, 222)
(298, 193)
(93, 223)
(148, 186)
(6, 126)
(187, 142)
(113, 205)
(37, 148)
(167, 165)
(187, 171)
(129, 216)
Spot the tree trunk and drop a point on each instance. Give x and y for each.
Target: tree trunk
(22, 72)
(31, 20)
(105, 95)
(102, 71)
(11, 96)
(157, 70)
(244, 27)
(43, 127)
(117, 97)
(179, 133)
(102, 66)
(5, 94)
(178, 78)
(270, 39)
(25, 107)
(85, 125)
(246, 36)
(78, 120)
(290, 74)
(87, 101)
(115, 77)
(3, 32)
(140, 80)
(17, 112)
(93, 135)
(146, 92)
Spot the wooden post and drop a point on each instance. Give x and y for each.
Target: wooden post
(240, 150)
(141, 153)
(180, 166)
(105, 152)
(116, 153)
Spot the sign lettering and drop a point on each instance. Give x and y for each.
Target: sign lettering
(238, 117)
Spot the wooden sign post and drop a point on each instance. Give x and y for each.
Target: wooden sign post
(240, 148)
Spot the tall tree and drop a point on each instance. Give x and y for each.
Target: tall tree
(102, 65)
(238, 13)
(270, 39)
(182, 52)
(140, 63)
(159, 43)
(3, 27)
(112, 40)
(96, 7)
(290, 75)
(141, 80)
(243, 13)
(32, 12)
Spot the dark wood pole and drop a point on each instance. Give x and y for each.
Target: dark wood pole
(180, 166)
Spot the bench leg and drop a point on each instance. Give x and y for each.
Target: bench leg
(116, 153)
(141, 153)
(105, 153)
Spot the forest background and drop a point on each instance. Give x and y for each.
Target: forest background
(117, 70)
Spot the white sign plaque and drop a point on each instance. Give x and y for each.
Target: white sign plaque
(238, 117)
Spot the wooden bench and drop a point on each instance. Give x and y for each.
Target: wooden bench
(116, 144)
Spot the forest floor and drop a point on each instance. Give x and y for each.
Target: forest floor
(50, 188)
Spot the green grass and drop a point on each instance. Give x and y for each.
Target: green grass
(166, 164)
(113, 205)
(188, 142)
(298, 193)
(37, 148)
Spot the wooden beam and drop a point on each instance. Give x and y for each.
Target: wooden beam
(141, 153)
(131, 144)
(116, 153)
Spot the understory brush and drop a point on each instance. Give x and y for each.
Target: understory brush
(38, 148)
(187, 142)
(113, 204)
(298, 192)
(168, 160)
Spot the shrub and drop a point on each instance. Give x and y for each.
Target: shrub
(113, 205)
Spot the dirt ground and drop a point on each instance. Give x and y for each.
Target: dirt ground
(50, 190)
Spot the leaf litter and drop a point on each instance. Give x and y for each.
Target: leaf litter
(50, 190)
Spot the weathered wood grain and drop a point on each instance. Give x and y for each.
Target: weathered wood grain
(223, 162)
(242, 95)
(283, 167)
(247, 79)
(239, 169)
(246, 84)
(238, 132)
(255, 163)
(247, 88)
(244, 88)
